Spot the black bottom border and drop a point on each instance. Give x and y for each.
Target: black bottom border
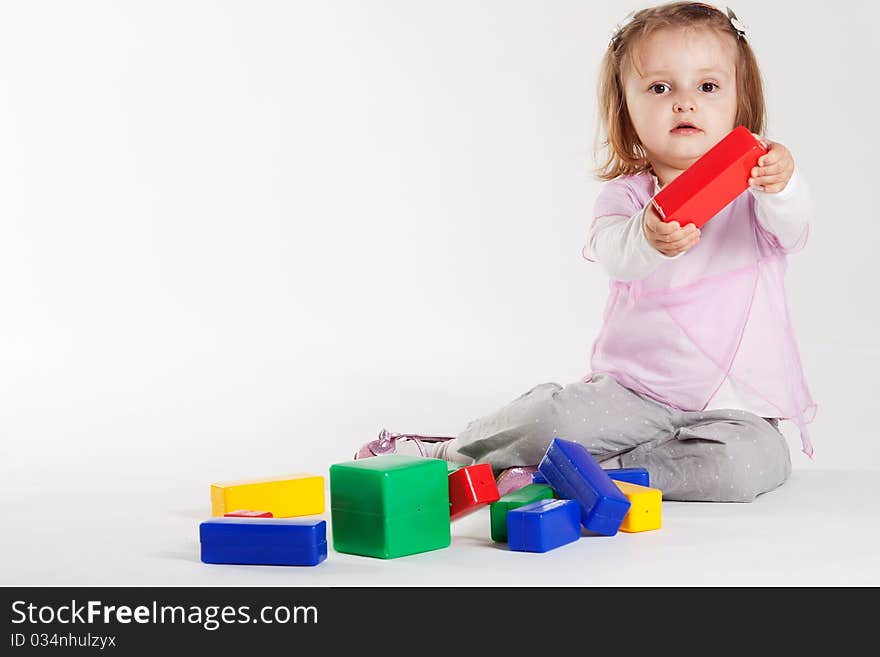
(237, 620)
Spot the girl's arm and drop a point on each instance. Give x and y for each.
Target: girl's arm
(786, 214)
(619, 244)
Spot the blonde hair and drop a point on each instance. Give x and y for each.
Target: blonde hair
(625, 153)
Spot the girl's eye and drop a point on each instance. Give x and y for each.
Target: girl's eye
(659, 88)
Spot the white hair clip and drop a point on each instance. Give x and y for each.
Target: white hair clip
(737, 23)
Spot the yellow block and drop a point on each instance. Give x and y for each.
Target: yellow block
(644, 512)
(284, 496)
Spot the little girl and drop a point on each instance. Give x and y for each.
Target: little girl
(696, 361)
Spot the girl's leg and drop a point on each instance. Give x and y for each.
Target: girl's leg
(715, 456)
(602, 415)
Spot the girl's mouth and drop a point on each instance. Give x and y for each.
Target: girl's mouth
(685, 130)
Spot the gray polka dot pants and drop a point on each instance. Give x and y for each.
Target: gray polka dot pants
(710, 456)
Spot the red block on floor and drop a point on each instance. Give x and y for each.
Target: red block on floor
(470, 488)
(248, 514)
(703, 189)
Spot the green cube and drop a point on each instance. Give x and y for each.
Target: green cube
(525, 495)
(390, 506)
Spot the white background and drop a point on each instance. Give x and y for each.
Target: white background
(239, 238)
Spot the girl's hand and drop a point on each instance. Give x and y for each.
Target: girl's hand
(774, 168)
(670, 239)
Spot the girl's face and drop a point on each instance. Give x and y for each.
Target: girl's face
(687, 76)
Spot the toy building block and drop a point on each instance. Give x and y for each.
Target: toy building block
(470, 488)
(514, 500)
(283, 496)
(389, 506)
(241, 513)
(538, 478)
(543, 525)
(644, 512)
(573, 472)
(638, 476)
(703, 189)
(264, 541)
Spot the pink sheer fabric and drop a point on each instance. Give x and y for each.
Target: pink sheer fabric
(718, 311)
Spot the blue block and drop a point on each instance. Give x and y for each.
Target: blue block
(637, 476)
(572, 471)
(632, 475)
(543, 525)
(264, 541)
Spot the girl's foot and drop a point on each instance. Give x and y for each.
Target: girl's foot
(515, 478)
(400, 443)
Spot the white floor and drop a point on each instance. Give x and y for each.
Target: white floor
(819, 529)
(822, 528)
(89, 524)
(115, 498)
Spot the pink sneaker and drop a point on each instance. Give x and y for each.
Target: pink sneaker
(386, 443)
(515, 478)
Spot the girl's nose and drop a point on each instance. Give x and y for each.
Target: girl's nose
(684, 105)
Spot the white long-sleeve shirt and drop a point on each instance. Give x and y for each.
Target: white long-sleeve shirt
(620, 245)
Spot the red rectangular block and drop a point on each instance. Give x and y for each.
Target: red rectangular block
(470, 488)
(242, 513)
(703, 189)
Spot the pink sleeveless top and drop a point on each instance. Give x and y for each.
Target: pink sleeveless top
(718, 311)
